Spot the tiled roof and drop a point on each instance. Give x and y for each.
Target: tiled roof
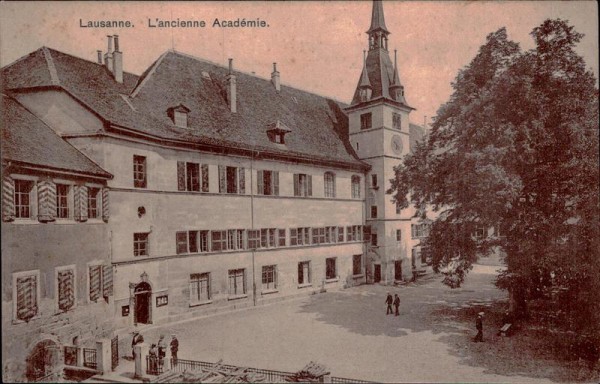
(29, 141)
(318, 124)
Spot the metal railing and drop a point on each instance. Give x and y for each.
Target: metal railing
(155, 365)
(89, 358)
(268, 375)
(344, 380)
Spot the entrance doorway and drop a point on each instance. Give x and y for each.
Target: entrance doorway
(42, 360)
(377, 277)
(143, 303)
(398, 270)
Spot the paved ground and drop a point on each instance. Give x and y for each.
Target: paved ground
(349, 332)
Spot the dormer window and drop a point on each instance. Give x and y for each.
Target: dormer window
(277, 131)
(179, 115)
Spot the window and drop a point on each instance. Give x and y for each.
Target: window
(318, 235)
(232, 180)
(398, 235)
(199, 287)
(373, 211)
(329, 182)
(278, 137)
(365, 121)
(253, 238)
(374, 180)
(66, 288)
(304, 272)
(139, 171)
(340, 234)
(62, 201)
(192, 177)
(268, 183)
(374, 239)
(181, 119)
(269, 277)
(235, 239)
(355, 187)
(330, 268)
(218, 240)
(299, 236)
(330, 234)
(397, 121)
(22, 198)
(92, 202)
(419, 230)
(191, 241)
(302, 185)
(356, 264)
(281, 238)
(267, 237)
(140, 244)
(100, 281)
(26, 289)
(237, 282)
(479, 233)
(354, 233)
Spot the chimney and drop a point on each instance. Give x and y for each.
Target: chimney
(99, 57)
(231, 88)
(117, 61)
(108, 59)
(275, 78)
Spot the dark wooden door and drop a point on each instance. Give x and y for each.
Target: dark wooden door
(114, 348)
(143, 294)
(377, 273)
(398, 270)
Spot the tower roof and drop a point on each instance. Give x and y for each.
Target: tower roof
(377, 18)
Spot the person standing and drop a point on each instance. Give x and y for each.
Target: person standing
(137, 339)
(397, 304)
(153, 359)
(174, 348)
(162, 350)
(389, 300)
(479, 326)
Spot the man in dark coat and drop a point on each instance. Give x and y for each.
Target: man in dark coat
(389, 300)
(137, 339)
(479, 326)
(174, 348)
(397, 304)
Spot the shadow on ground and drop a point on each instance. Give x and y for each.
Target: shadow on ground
(451, 313)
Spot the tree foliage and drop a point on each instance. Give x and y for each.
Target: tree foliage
(516, 149)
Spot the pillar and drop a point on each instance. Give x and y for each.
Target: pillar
(141, 351)
(103, 355)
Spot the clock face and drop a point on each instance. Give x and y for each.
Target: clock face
(397, 144)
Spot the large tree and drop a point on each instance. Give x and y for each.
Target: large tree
(516, 149)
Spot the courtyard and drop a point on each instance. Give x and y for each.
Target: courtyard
(349, 332)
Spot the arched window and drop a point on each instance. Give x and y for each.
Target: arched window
(329, 182)
(355, 187)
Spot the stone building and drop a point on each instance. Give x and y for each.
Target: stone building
(56, 271)
(229, 190)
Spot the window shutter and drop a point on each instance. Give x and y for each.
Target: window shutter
(8, 198)
(181, 175)
(296, 184)
(95, 282)
(222, 179)
(275, 183)
(26, 297)
(242, 181)
(66, 292)
(80, 196)
(412, 231)
(107, 281)
(333, 184)
(260, 182)
(105, 210)
(309, 181)
(204, 177)
(46, 201)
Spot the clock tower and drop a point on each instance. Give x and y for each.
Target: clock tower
(379, 133)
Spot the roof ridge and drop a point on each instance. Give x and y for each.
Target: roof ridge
(81, 58)
(255, 75)
(51, 67)
(147, 74)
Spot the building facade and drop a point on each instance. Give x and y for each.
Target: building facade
(226, 190)
(56, 272)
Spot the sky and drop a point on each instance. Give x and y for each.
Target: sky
(317, 45)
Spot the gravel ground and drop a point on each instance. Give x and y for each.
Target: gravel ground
(349, 332)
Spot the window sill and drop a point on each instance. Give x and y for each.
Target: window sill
(359, 276)
(334, 280)
(237, 297)
(19, 321)
(300, 286)
(200, 303)
(269, 291)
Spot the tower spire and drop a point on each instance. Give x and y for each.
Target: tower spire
(377, 18)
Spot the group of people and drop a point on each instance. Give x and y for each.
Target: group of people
(395, 301)
(157, 351)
